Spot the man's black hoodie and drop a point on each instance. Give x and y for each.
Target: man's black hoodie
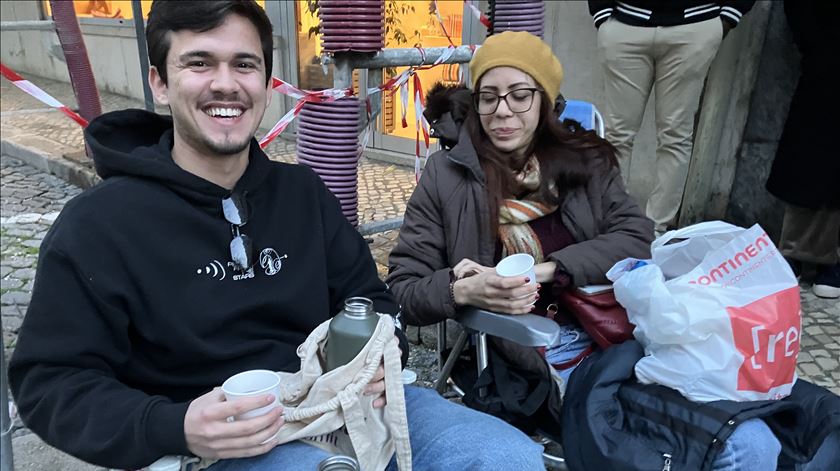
(135, 310)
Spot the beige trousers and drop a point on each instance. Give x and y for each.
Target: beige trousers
(673, 62)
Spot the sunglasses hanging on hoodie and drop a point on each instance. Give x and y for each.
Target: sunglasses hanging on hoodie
(235, 209)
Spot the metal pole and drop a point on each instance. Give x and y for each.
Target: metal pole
(343, 73)
(28, 25)
(374, 79)
(6, 460)
(78, 63)
(143, 51)
(399, 57)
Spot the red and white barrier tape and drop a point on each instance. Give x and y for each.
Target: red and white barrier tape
(479, 15)
(442, 25)
(421, 124)
(303, 96)
(33, 90)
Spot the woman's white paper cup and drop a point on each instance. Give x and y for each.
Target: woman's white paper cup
(519, 264)
(253, 383)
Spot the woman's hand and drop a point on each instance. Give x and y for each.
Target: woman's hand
(545, 271)
(489, 291)
(466, 268)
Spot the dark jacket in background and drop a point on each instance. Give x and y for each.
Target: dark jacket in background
(668, 12)
(610, 421)
(806, 171)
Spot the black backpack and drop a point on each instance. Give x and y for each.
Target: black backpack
(529, 400)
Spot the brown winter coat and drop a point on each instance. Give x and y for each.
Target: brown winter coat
(447, 219)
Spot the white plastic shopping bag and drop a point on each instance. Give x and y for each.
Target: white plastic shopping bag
(717, 312)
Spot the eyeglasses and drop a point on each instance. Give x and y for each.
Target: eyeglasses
(518, 101)
(235, 208)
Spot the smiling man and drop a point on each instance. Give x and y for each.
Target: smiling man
(195, 259)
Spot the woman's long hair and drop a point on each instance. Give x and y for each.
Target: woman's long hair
(562, 149)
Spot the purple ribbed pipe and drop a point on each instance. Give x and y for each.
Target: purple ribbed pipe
(328, 142)
(517, 15)
(75, 53)
(357, 25)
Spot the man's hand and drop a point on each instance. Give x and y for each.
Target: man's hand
(377, 384)
(210, 435)
(377, 387)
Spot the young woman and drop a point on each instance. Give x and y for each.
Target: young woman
(513, 179)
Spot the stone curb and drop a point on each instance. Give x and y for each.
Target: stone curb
(50, 161)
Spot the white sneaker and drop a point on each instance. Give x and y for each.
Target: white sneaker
(827, 283)
(827, 291)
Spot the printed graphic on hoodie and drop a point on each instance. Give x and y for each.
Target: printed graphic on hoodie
(270, 261)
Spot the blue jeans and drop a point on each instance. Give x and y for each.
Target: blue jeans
(444, 436)
(573, 341)
(753, 446)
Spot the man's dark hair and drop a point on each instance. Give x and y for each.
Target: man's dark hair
(200, 16)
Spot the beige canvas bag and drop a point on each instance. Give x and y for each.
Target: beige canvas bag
(329, 409)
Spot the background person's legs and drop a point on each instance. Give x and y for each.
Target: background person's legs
(625, 53)
(813, 236)
(810, 235)
(682, 56)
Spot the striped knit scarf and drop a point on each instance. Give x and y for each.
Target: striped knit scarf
(515, 233)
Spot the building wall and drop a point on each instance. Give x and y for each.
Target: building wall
(778, 74)
(112, 50)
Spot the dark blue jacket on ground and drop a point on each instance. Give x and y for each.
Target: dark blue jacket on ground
(612, 420)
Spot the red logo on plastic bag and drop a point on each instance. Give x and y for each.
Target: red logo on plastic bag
(766, 332)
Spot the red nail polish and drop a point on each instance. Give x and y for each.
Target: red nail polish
(527, 280)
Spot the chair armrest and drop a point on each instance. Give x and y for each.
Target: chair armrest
(529, 330)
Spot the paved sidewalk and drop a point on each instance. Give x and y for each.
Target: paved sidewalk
(30, 199)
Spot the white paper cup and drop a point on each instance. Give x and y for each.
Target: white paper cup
(167, 463)
(253, 383)
(520, 264)
(408, 376)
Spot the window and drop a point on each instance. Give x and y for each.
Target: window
(117, 9)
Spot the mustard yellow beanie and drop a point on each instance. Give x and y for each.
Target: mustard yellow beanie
(521, 50)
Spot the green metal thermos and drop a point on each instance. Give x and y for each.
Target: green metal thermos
(350, 331)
